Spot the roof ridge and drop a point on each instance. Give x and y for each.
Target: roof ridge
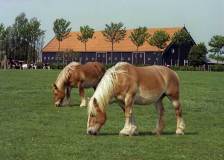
(130, 29)
(99, 44)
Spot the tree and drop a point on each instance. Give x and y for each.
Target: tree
(34, 35)
(22, 40)
(20, 35)
(86, 34)
(2, 44)
(216, 43)
(217, 46)
(197, 54)
(61, 29)
(2, 37)
(114, 33)
(217, 57)
(139, 36)
(179, 38)
(2, 31)
(159, 39)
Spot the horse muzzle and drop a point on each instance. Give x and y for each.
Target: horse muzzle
(57, 104)
(92, 132)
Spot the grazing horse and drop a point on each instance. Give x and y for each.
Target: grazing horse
(76, 75)
(140, 85)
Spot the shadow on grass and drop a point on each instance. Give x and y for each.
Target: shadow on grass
(168, 133)
(70, 105)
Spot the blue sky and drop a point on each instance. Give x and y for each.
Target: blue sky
(203, 18)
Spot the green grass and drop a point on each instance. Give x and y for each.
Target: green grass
(32, 128)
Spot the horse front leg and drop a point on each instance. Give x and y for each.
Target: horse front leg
(130, 127)
(68, 95)
(82, 95)
(66, 100)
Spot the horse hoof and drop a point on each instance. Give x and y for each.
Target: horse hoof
(132, 133)
(157, 132)
(179, 132)
(123, 134)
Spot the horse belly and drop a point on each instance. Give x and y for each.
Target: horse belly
(89, 84)
(147, 97)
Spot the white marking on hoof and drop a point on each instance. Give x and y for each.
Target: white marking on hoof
(129, 131)
(179, 131)
(83, 103)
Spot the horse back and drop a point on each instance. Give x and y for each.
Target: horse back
(159, 77)
(92, 72)
(147, 83)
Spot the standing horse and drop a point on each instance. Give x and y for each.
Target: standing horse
(139, 85)
(76, 75)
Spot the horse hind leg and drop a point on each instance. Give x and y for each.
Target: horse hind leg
(68, 95)
(178, 111)
(82, 96)
(160, 125)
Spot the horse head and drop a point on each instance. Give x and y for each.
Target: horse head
(96, 117)
(58, 96)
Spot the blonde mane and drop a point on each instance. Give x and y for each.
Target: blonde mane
(64, 74)
(105, 89)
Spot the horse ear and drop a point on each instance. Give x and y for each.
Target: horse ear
(55, 87)
(95, 102)
(96, 105)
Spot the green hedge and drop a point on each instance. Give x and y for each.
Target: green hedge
(217, 67)
(57, 66)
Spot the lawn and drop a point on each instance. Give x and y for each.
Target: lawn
(32, 128)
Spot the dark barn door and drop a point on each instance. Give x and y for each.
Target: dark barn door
(138, 58)
(101, 57)
(116, 57)
(88, 57)
(126, 57)
(109, 58)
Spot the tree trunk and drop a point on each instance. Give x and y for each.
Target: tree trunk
(57, 56)
(85, 46)
(111, 55)
(5, 62)
(34, 53)
(178, 58)
(27, 48)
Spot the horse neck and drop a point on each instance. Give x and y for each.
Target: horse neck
(60, 82)
(105, 90)
(60, 85)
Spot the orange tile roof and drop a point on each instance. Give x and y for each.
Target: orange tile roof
(99, 44)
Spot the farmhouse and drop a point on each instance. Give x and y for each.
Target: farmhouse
(98, 49)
